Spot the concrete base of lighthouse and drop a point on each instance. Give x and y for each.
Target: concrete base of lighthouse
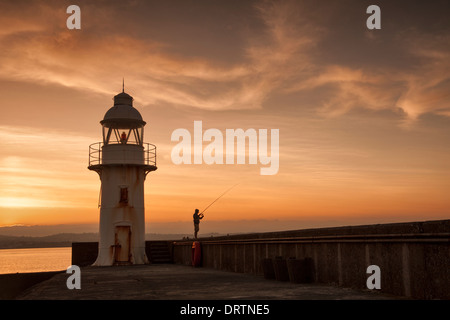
(120, 248)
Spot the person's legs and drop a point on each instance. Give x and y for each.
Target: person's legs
(196, 228)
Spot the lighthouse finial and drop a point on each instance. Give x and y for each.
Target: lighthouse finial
(123, 84)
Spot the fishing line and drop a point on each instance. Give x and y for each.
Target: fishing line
(218, 198)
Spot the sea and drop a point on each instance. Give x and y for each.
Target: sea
(35, 259)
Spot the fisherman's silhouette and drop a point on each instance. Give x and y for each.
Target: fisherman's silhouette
(197, 218)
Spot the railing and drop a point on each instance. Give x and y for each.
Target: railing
(95, 154)
(149, 154)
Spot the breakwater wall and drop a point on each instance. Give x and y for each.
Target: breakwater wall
(414, 258)
(12, 284)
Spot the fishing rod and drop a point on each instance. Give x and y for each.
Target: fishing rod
(201, 213)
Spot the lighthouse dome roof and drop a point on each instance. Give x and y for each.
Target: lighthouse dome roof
(122, 113)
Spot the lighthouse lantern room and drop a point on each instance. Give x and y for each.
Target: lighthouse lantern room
(122, 161)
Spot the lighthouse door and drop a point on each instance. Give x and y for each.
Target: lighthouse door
(122, 244)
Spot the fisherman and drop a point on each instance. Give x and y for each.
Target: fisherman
(197, 218)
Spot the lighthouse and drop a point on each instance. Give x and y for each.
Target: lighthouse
(122, 161)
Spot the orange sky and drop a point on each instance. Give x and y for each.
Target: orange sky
(364, 116)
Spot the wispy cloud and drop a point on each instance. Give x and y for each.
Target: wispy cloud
(428, 84)
(280, 57)
(54, 55)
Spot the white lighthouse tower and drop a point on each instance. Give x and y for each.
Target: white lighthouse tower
(122, 161)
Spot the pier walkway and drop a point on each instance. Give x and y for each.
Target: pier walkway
(180, 282)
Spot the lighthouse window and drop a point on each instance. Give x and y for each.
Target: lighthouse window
(122, 135)
(123, 195)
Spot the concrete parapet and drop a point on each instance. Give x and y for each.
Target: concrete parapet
(84, 253)
(12, 284)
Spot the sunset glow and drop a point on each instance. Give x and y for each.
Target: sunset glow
(363, 115)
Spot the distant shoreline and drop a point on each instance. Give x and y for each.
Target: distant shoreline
(37, 246)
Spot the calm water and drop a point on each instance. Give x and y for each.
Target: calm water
(35, 259)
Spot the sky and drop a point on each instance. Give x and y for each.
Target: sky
(363, 115)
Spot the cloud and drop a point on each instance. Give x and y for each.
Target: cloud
(280, 57)
(428, 85)
(92, 60)
(423, 88)
(410, 90)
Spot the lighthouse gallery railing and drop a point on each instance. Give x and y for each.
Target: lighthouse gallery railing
(95, 154)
